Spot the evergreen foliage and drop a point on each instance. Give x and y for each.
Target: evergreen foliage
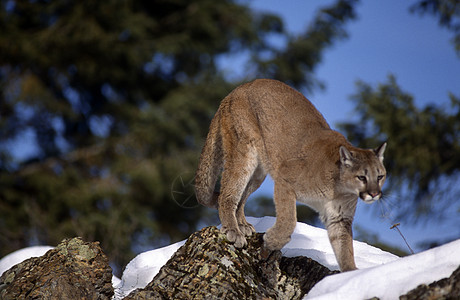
(448, 12)
(115, 98)
(424, 146)
(423, 154)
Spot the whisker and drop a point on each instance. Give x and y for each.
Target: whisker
(386, 206)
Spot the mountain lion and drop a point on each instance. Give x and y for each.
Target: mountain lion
(266, 127)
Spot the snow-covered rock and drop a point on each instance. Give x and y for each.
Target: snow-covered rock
(20, 255)
(392, 279)
(306, 241)
(380, 273)
(313, 242)
(141, 270)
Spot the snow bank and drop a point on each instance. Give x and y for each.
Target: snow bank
(380, 273)
(306, 241)
(393, 279)
(313, 242)
(141, 270)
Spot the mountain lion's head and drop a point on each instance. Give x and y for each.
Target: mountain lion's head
(363, 173)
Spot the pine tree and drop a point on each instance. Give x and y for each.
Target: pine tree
(424, 143)
(116, 98)
(423, 157)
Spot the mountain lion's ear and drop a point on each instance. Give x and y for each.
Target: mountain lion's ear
(345, 157)
(380, 150)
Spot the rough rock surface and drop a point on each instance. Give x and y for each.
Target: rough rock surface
(73, 270)
(447, 288)
(208, 267)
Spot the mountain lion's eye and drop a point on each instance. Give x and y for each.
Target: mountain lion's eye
(380, 177)
(361, 178)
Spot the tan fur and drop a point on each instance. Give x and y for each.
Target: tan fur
(266, 127)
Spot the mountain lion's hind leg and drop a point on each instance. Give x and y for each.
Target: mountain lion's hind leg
(256, 180)
(238, 170)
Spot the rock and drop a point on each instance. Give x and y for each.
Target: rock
(447, 288)
(209, 267)
(206, 267)
(73, 270)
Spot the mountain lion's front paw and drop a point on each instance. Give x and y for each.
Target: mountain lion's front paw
(246, 228)
(273, 241)
(235, 236)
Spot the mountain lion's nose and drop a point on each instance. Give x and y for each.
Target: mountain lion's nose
(374, 194)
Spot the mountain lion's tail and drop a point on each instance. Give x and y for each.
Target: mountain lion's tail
(209, 167)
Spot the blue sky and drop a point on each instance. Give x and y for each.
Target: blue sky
(385, 39)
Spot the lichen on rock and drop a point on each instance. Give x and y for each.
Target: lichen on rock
(73, 270)
(209, 267)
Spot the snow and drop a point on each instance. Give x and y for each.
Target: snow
(381, 274)
(141, 270)
(393, 279)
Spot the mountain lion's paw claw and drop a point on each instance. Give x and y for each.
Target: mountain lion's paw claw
(235, 236)
(247, 229)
